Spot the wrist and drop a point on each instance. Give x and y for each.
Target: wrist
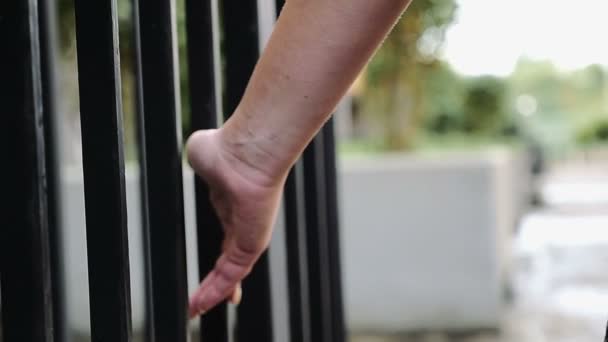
(249, 155)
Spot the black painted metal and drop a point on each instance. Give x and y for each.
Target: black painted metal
(317, 241)
(241, 37)
(24, 250)
(297, 255)
(279, 5)
(203, 61)
(103, 162)
(333, 232)
(149, 333)
(326, 303)
(241, 48)
(254, 315)
(48, 47)
(214, 324)
(164, 168)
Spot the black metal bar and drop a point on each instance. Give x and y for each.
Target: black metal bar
(241, 48)
(333, 230)
(203, 61)
(241, 37)
(103, 162)
(149, 333)
(279, 5)
(48, 51)
(297, 255)
(214, 324)
(254, 315)
(164, 168)
(24, 240)
(317, 241)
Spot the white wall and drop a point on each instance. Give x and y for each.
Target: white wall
(424, 242)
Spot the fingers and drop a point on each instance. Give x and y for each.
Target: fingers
(223, 281)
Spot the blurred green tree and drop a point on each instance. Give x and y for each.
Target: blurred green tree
(444, 91)
(395, 76)
(595, 132)
(484, 106)
(571, 105)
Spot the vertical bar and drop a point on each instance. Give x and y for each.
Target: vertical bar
(241, 37)
(203, 60)
(297, 255)
(149, 333)
(279, 5)
(24, 239)
(333, 230)
(103, 166)
(48, 52)
(327, 316)
(241, 48)
(160, 74)
(317, 241)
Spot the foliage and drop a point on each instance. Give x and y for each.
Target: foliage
(484, 105)
(459, 105)
(595, 132)
(571, 105)
(393, 77)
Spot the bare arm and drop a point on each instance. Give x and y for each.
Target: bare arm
(315, 52)
(313, 56)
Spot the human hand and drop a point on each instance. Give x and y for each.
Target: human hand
(246, 202)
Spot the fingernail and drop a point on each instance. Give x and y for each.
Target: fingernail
(237, 296)
(197, 309)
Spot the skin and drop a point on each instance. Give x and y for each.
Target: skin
(317, 49)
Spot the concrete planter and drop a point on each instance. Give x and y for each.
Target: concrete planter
(425, 240)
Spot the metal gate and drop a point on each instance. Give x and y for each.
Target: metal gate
(32, 281)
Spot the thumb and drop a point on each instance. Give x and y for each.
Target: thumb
(231, 268)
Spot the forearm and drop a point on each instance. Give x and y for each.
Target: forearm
(315, 52)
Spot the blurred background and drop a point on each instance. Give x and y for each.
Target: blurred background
(473, 173)
(474, 156)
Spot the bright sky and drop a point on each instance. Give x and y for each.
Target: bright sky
(489, 36)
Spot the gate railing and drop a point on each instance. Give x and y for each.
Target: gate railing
(32, 280)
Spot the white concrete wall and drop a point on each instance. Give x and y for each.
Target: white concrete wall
(425, 241)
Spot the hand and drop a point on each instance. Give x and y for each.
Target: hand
(246, 202)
